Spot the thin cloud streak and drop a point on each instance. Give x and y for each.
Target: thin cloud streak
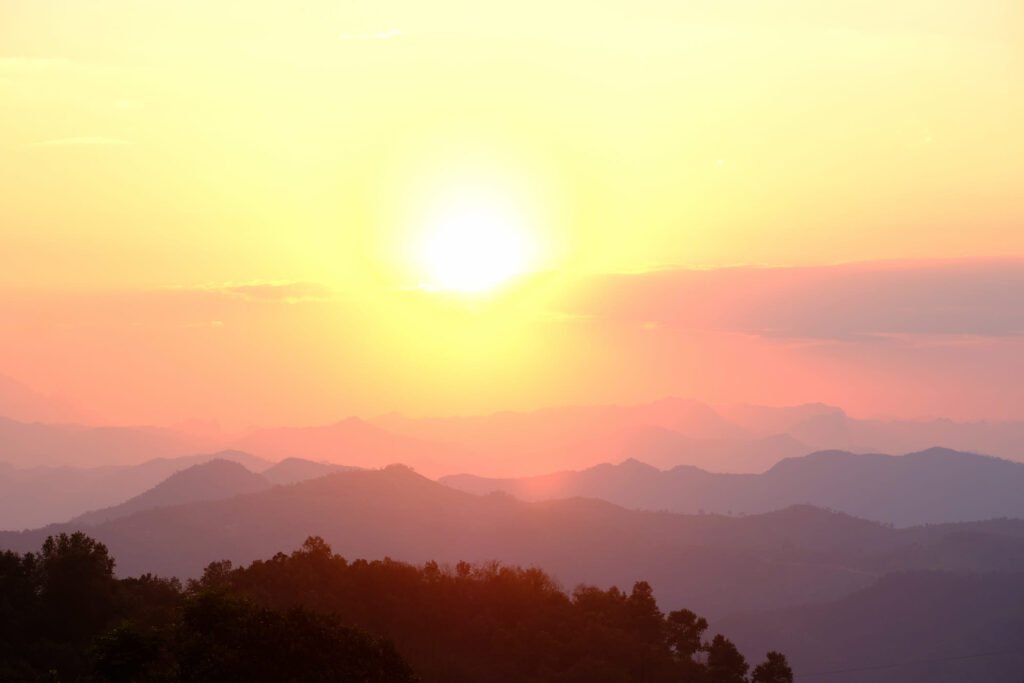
(84, 141)
(379, 35)
(871, 302)
(282, 291)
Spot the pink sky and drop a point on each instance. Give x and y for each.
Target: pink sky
(899, 339)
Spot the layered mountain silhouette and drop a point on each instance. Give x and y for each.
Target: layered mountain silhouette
(90, 496)
(212, 480)
(715, 564)
(20, 402)
(354, 442)
(669, 432)
(31, 497)
(35, 444)
(836, 430)
(293, 470)
(736, 439)
(665, 448)
(666, 433)
(937, 485)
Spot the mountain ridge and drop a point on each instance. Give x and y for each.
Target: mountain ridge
(212, 480)
(714, 563)
(937, 485)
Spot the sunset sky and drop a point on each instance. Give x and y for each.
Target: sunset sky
(268, 212)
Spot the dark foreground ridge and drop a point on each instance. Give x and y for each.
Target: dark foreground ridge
(315, 616)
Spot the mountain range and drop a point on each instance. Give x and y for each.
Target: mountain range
(212, 480)
(670, 432)
(833, 591)
(37, 496)
(20, 402)
(713, 563)
(37, 444)
(664, 433)
(34, 496)
(933, 486)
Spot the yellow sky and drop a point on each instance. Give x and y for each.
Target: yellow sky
(191, 142)
(175, 146)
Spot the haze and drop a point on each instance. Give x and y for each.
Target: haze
(213, 212)
(615, 342)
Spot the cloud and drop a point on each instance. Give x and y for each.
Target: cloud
(86, 141)
(269, 291)
(857, 302)
(37, 63)
(380, 35)
(147, 309)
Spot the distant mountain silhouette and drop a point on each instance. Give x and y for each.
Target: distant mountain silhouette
(19, 402)
(211, 480)
(35, 444)
(43, 495)
(665, 448)
(914, 627)
(677, 430)
(670, 432)
(937, 485)
(765, 420)
(665, 433)
(355, 442)
(294, 470)
(714, 564)
(836, 430)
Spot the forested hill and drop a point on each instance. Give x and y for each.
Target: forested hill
(315, 616)
(713, 564)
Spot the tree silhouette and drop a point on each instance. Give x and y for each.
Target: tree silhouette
(775, 669)
(129, 654)
(684, 632)
(225, 638)
(75, 578)
(313, 615)
(725, 663)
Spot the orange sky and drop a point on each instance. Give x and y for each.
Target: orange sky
(256, 211)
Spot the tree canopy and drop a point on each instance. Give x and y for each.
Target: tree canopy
(314, 615)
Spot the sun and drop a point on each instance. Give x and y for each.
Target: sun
(474, 243)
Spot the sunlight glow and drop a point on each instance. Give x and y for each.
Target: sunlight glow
(474, 244)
